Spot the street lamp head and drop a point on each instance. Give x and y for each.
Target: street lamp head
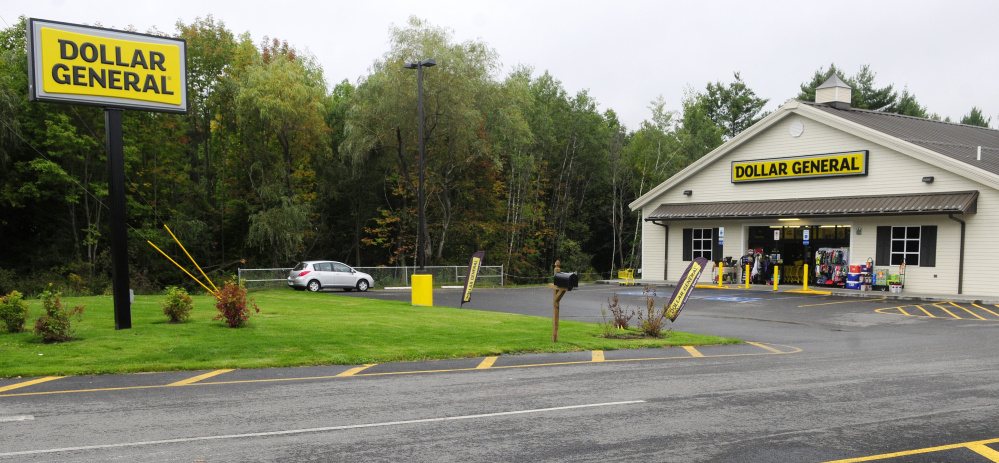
(428, 62)
(410, 65)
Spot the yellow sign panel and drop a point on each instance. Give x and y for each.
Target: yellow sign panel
(86, 65)
(819, 165)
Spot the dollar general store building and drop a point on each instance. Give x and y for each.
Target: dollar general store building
(814, 179)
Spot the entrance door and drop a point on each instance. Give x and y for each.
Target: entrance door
(784, 246)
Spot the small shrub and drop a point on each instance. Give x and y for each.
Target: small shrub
(55, 325)
(622, 316)
(13, 311)
(232, 304)
(177, 304)
(652, 321)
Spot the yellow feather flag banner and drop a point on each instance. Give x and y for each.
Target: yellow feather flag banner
(473, 271)
(682, 291)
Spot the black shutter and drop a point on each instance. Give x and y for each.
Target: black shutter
(688, 241)
(882, 255)
(716, 248)
(928, 246)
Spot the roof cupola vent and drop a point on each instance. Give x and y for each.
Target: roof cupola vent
(834, 92)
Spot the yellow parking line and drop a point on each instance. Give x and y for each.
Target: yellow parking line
(29, 383)
(771, 349)
(356, 370)
(937, 305)
(199, 378)
(987, 310)
(966, 310)
(974, 446)
(907, 314)
(597, 355)
(693, 351)
(927, 312)
(984, 451)
(486, 363)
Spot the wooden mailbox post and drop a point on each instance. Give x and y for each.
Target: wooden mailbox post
(564, 282)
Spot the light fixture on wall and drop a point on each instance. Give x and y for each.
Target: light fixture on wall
(928, 179)
(688, 192)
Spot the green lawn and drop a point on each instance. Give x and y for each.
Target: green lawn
(294, 329)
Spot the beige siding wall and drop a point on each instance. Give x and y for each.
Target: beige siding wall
(889, 172)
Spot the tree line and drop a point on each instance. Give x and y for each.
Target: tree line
(272, 165)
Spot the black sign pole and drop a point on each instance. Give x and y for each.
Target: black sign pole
(115, 147)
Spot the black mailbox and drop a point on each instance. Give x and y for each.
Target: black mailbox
(566, 280)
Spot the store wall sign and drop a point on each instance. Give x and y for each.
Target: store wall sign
(70, 63)
(797, 167)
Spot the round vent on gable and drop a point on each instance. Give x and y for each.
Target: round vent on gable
(796, 128)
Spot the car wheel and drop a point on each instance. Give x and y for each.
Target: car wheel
(362, 285)
(314, 286)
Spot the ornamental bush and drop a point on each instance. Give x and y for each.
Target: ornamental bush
(13, 311)
(232, 304)
(55, 325)
(177, 304)
(652, 321)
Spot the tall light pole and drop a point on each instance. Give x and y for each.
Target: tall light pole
(421, 253)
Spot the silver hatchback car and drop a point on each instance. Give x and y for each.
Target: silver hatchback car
(319, 275)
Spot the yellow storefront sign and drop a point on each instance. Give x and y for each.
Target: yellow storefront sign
(84, 65)
(819, 165)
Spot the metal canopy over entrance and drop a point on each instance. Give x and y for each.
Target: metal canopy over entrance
(959, 202)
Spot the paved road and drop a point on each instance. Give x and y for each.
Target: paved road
(826, 379)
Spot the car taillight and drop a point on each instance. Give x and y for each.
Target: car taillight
(303, 273)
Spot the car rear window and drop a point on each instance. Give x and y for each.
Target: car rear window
(301, 266)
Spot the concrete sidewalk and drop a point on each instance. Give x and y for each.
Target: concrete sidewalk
(905, 295)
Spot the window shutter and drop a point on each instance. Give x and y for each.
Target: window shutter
(716, 249)
(882, 255)
(928, 246)
(688, 239)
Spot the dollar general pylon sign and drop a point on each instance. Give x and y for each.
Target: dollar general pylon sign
(69, 63)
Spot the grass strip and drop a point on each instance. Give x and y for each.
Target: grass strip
(296, 329)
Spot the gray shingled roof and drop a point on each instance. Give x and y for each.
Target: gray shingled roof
(956, 141)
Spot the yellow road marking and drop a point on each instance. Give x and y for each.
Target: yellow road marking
(927, 312)
(987, 310)
(693, 351)
(937, 305)
(826, 303)
(904, 312)
(597, 356)
(771, 349)
(356, 370)
(966, 310)
(974, 446)
(29, 383)
(199, 378)
(486, 363)
(984, 451)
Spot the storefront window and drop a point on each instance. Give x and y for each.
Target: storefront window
(701, 243)
(905, 245)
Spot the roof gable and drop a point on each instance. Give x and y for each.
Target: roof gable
(937, 143)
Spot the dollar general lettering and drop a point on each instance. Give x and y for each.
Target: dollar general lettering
(820, 165)
(84, 65)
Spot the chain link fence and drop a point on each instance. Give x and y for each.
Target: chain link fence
(444, 275)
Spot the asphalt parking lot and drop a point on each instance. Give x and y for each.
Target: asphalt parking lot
(820, 379)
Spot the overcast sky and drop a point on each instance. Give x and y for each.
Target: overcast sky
(626, 53)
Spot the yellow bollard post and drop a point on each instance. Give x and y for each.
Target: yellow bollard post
(746, 273)
(776, 276)
(804, 280)
(423, 289)
(721, 271)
